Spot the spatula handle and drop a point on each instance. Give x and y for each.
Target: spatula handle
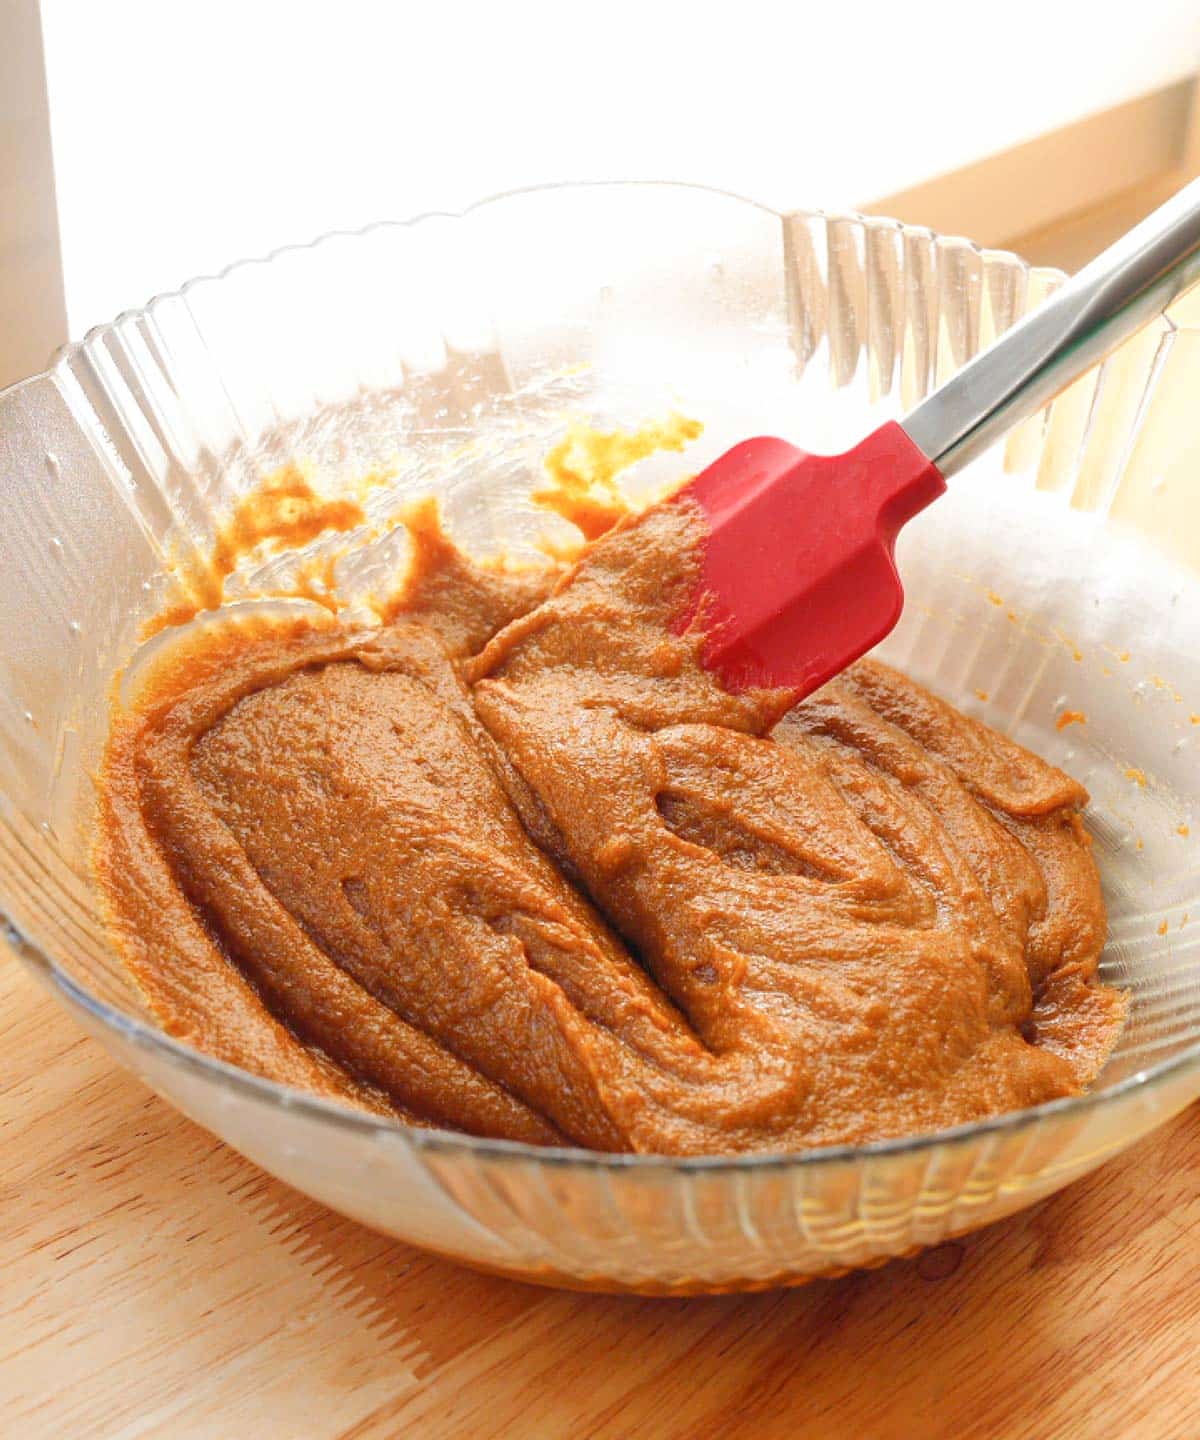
(1107, 301)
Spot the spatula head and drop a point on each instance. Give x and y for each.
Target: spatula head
(799, 578)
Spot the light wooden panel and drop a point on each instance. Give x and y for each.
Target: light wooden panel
(33, 320)
(1060, 198)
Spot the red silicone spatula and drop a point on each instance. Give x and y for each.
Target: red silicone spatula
(799, 578)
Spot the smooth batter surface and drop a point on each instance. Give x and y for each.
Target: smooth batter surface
(525, 869)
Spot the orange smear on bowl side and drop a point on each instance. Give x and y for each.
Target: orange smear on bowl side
(582, 469)
(316, 580)
(1070, 717)
(284, 510)
(281, 513)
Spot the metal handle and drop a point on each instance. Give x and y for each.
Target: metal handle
(1111, 298)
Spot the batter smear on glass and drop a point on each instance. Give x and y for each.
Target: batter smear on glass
(516, 864)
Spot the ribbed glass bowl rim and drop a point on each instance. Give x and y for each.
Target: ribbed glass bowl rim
(450, 1142)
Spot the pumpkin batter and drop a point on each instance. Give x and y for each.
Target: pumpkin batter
(518, 865)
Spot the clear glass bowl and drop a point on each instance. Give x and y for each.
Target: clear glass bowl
(1063, 573)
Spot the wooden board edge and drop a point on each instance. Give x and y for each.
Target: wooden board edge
(1061, 189)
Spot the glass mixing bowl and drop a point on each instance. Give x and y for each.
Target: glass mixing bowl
(1061, 573)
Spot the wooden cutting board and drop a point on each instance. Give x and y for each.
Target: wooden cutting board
(155, 1284)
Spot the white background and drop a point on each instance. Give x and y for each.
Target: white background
(187, 134)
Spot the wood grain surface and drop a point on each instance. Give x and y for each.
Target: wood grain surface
(155, 1284)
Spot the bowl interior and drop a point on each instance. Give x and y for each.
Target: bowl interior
(452, 353)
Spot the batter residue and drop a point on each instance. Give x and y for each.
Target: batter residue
(516, 864)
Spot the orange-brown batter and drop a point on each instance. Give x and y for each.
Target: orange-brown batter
(525, 869)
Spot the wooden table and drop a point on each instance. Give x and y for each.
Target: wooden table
(153, 1283)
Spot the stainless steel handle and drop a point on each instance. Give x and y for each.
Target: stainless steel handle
(1111, 298)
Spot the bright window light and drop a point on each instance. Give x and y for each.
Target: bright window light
(187, 135)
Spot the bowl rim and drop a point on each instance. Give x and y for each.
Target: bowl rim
(385, 1130)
